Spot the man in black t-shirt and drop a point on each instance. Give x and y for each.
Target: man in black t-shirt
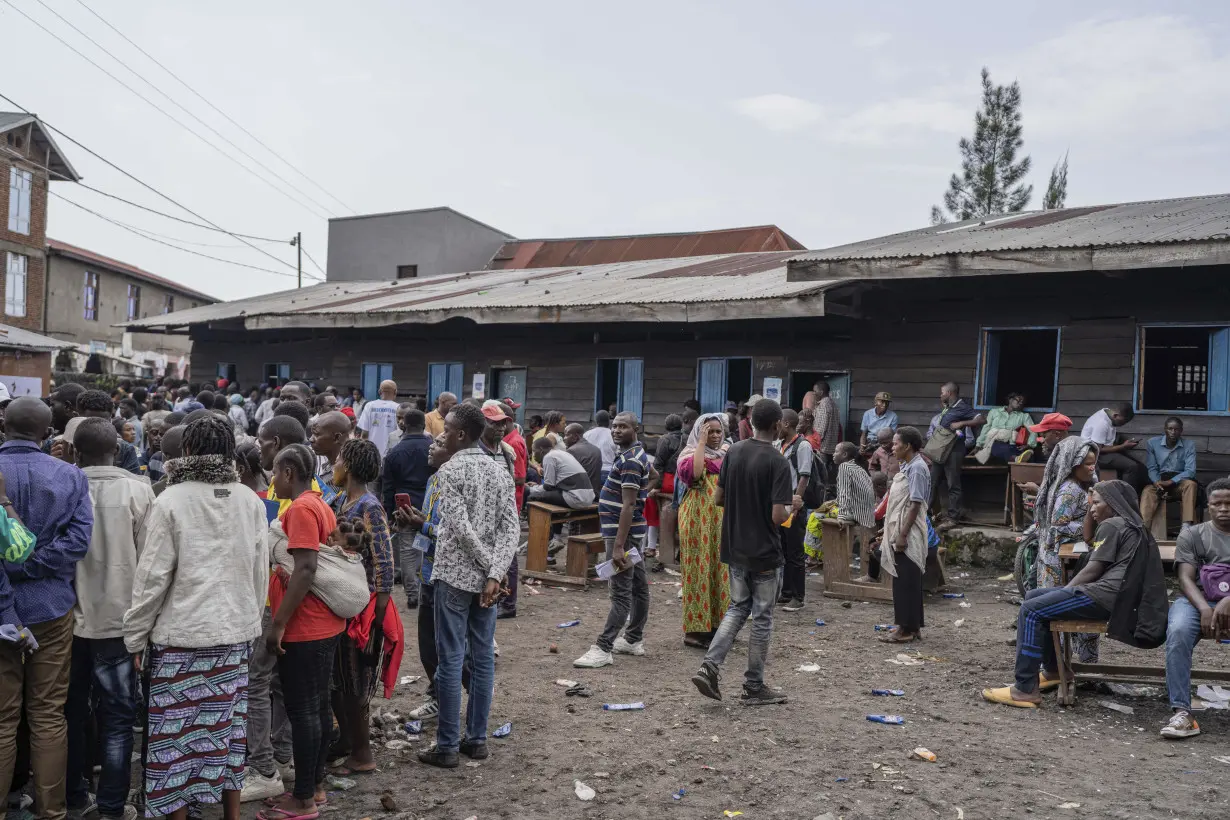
(755, 491)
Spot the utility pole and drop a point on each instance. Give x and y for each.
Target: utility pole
(298, 243)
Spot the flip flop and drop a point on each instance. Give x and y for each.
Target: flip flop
(272, 802)
(342, 770)
(895, 637)
(1003, 695)
(274, 813)
(1046, 684)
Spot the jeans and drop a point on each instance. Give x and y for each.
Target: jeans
(950, 471)
(629, 593)
(462, 622)
(1035, 646)
(40, 683)
(268, 726)
(1182, 635)
(751, 593)
(411, 565)
(794, 577)
(305, 669)
(101, 672)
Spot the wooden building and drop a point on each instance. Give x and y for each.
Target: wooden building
(1076, 308)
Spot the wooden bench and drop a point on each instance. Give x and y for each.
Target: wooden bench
(542, 517)
(583, 550)
(838, 543)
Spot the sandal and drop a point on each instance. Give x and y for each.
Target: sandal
(275, 813)
(1003, 695)
(342, 770)
(272, 802)
(897, 637)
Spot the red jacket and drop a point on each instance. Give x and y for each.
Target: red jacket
(359, 629)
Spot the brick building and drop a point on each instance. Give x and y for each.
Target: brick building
(29, 159)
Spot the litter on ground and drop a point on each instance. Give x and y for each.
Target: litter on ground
(582, 791)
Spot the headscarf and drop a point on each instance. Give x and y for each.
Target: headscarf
(712, 457)
(1066, 457)
(1122, 498)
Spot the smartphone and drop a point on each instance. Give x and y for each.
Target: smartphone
(402, 500)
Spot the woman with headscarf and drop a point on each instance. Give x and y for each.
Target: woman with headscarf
(706, 582)
(1059, 515)
(1123, 584)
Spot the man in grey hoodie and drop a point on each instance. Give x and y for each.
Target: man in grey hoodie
(102, 670)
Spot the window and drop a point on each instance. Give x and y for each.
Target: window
(134, 301)
(19, 200)
(1183, 368)
(168, 304)
(227, 370)
(1018, 360)
(721, 380)
(407, 271)
(90, 296)
(373, 373)
(15, 285)
(278, 373)
(444, 377)
(619, 382)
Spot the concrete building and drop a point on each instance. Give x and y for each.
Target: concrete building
(29, 162)
(25, 361)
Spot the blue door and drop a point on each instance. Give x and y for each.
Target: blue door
(373, 374)
(631, 385)
(839, 389)
(711, 385)
(444, 377)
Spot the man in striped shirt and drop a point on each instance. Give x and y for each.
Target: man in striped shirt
(856, 497)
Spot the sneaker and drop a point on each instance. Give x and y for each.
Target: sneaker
(129, 813)
(257, 787)
(784, 599)
(432, 756)
(595, 658)
(90, 807)
(763, 696)
(793, 606)
(428, 711)
(1181, 725)
(622, 647)
(475, 751)
(707, 680)
(286, 771)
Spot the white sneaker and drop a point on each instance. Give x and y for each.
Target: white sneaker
(428, 711)
(286, 771)
(622, 647)
(495, 647)
(257, 787)
(595, 658)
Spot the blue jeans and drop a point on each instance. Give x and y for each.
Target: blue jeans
(461, 621)
(411, 565)
(755, 594)
(102, 673)
(1182, 635)
(1035, 647)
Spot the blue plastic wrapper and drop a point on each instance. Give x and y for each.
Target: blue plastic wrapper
(894, 720)
(679, 794)
(503, 731)
(897, 693)
(414, 727)
(820, 622)
(954, 594)
(623, 707)
(567, 624)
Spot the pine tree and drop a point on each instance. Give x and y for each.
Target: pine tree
(991, 177)
(1057, 188)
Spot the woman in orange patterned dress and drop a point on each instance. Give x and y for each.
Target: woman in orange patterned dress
(706, 584)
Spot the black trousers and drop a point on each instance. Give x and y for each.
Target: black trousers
(1128, 468)
(305, 669)
(908, 594)
(950, 471)
(794, 578)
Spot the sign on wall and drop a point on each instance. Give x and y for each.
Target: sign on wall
(478, 389)
(773, 389)
(19, 386)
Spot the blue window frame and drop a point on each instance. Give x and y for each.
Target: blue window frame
(1019, 360)
(444, 377)
(277, 373)
(721, 380)
(1182, 368)
(620, 382)
(372, 374)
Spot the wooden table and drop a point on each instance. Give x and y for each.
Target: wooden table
(542, 517)
(838, 544)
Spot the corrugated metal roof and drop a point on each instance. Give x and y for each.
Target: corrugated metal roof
(553, 294)
(91, 258)
(599, 250)
(58, 163)
(1136, 223)
(16, 337)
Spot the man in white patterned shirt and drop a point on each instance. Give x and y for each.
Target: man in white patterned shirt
(476, 539)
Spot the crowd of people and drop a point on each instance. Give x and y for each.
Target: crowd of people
(217, 569)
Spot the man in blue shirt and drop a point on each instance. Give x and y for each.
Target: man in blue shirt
(957, 415)
(876, 419)
(406, 471)
(1171, 462)
(52, 499)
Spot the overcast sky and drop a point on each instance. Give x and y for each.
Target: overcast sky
(835, 121)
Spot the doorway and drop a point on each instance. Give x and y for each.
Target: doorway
(510, 384)
(839, 388)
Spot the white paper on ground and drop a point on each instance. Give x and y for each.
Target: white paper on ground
(1215, 697)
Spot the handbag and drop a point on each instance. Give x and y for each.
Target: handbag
(940, 445)
(1215, 581)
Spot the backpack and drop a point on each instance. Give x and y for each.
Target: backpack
(813, 496)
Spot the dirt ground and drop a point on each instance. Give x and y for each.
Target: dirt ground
(816, 756)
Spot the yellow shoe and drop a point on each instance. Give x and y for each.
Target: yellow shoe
(1046, 684)
(1003, 695)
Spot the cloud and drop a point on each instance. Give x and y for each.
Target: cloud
(871, 39)
(779, 112)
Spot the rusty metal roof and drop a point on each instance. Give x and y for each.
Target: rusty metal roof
(598, 250)
(1135, 223)
(89, 257)
(729, 286)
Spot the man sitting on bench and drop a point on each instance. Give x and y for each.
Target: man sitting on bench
(1171, 464)
(1202, 562)
(564, 481)
(1091, 595)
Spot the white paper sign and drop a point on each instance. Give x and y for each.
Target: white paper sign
(23, 386)
(478, 389)
(772, 389)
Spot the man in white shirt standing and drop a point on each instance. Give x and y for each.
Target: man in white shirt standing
(600, 436)
(1100, 429)
(379, 417)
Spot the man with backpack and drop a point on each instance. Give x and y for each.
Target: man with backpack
(799, 454)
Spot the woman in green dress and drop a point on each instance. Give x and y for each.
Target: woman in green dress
(706, 582)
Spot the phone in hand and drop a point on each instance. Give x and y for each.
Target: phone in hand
(402, 501)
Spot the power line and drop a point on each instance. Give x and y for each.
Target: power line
(199, 96)
(163, 111)
(144, 235)
(313, 261)
(142, 183)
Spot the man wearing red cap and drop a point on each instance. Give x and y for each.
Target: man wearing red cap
(1053, 429)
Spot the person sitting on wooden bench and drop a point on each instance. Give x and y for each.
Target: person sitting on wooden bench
(1202, 562)
(999, 438)
(1171, 463)
(1123, 583)
(564, 483)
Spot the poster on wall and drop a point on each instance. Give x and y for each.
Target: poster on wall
(19, 386)
(478, 389)
(773, 389)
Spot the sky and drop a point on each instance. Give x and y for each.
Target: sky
(835, 121)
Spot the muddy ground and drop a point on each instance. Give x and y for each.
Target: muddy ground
(815, 755)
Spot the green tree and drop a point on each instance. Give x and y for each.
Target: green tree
(1057, 188)
(991, 176)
